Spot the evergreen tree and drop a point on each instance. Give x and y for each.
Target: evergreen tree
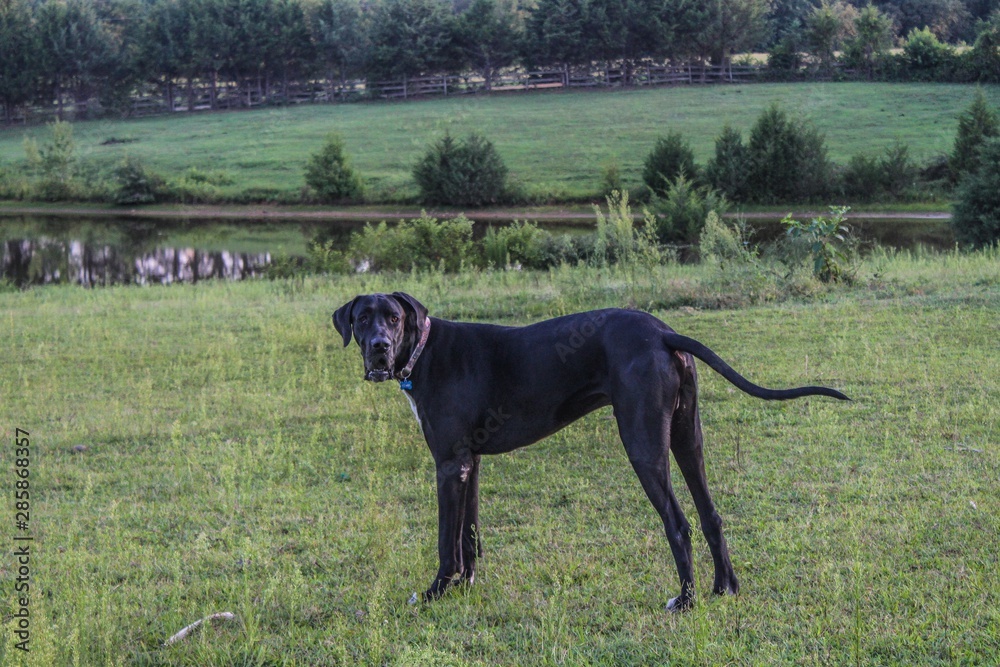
(292, 55)
(787, 159)
(329, 173)
(467, 172)
(731, 26)
(727, 171)
(487, 35)
(976, 124)
(165, 46)
(671, 157)
(409, 38)
(340, 36)
(212, 36)
(77, 53)
(976, 211)
(627, 31)
(555, 34)
(19, 45)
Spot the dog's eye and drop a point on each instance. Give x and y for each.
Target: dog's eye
(363, 319)
(395, 319)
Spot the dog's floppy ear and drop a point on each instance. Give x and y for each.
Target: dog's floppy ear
(416, 310)
(343, 321)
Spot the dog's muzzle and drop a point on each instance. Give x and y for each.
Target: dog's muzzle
(378, 366)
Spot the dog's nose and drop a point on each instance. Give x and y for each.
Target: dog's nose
(380, 344)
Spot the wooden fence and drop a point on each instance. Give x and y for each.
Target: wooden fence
(179, 97)
(646, 75)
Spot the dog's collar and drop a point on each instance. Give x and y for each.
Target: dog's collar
(404, 375)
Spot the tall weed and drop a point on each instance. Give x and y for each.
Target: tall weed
(828, 243)
(619, 241)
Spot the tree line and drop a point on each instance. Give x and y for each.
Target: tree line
(54, 52)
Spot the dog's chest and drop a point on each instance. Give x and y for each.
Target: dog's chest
(413, 406)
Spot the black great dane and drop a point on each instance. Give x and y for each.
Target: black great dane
(485, 389)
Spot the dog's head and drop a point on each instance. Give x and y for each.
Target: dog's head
(386, 326)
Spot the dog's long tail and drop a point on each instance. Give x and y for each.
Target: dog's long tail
(676, 341)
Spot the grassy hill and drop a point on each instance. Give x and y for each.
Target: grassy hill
(556, 144)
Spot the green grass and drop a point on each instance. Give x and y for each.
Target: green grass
(235, 461)
(556, 144)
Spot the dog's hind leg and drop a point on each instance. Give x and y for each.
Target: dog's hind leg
(686, 443)
(644, 425)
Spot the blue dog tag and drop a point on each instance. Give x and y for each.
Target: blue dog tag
(406, 384)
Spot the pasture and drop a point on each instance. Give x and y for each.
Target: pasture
(556, 145)
(211, 447)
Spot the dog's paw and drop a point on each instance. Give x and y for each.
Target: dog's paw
(677, 605)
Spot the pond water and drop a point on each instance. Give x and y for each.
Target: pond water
(92, 252)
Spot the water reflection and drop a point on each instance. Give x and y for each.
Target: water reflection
(45, 261)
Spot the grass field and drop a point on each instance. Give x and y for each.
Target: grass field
(210, 448)
(556, 144)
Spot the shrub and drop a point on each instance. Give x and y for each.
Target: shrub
(898, 170)
(985, 52)
(862, 178)
(890, 175)
(520, 243)
(469, 172)
(976, 124)
(670, 157)
(421, 244)
(681, 212)
(55, 162)
(785, 56)
(14, 184)
(329, 174)
(925, 55)
(135, 183)
(325, 257)
(727, 171)
(196, 186)
(976, 211)
(826, 27)
(873, 37)
(786, 159)
(611, 179)
(556, 249)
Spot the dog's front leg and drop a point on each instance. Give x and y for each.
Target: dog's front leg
(452, 486)
(472, 544)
